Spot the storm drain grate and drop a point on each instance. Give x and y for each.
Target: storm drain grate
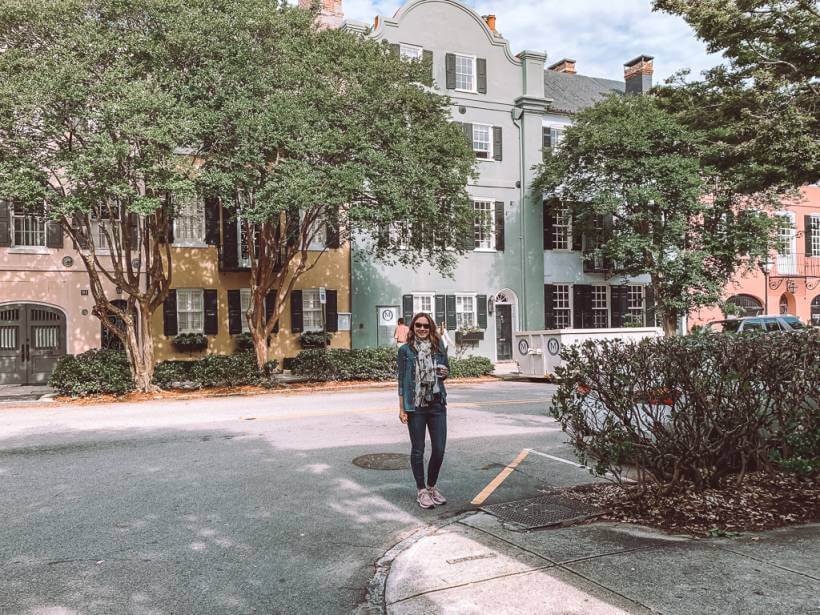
(543, 511)
(383, 461)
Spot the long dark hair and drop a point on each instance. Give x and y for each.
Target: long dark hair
(434, 338)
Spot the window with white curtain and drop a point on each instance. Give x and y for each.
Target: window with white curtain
(423, 303)
(190, 310)
(189, 221)
(245, 305)
(484, 225)
(313, 318)
(465, 311)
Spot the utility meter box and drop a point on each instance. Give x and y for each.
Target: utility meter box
(538, 353)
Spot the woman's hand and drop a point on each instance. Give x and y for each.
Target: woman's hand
(443, 372)
(402, 416)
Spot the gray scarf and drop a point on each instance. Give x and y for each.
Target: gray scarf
(426, 384)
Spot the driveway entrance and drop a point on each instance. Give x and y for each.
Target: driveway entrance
(32, 339)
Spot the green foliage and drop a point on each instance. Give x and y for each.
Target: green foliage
(470, 367)
(315, 339)
(342, 364)
(763, 121)
(690, 411)
(634, 176)
(91, 373)
(190, 342)
(239, 369)
(244, 341)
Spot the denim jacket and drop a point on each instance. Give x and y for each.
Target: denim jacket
(407, 376)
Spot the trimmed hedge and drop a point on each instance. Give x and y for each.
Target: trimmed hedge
(214, 370)
(91, 373)
(372, 364)
(690, 411)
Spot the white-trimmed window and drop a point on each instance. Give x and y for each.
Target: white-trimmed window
(551, 137)
(409, 52)
(28, 230)
(786, 246)
(465, 311)
(423, 302)
(634, 306)
(189, 221)
(465, 73)
(562, 229)
(243, 245)
(484, 225)
(245, 305)
(102, 228)
(190, 310)
(561, 306)
(814, 227)
(318, 236)
(312, 313)
(600, 307)
(482, 141)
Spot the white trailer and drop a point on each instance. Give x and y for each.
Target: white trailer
(538, 353)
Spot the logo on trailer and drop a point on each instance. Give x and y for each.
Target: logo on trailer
(523, 347)
(553, 346)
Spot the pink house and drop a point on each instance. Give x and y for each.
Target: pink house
(791, 282)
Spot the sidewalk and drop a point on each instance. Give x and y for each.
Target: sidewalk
(13, 393)
(475, 565)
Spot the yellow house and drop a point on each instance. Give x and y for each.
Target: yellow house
(210, 284)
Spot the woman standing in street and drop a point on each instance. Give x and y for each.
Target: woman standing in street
(423, 366)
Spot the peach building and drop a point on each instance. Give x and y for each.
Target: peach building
(790, 284)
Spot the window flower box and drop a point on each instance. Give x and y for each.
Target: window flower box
(190, 342)
(469, 336)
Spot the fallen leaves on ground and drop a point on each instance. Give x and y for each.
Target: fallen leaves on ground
(763, 501)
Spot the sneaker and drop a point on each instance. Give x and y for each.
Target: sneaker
(436, 496)
(424, 499)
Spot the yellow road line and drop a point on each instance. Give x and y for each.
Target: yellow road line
(325, 413)
(488, 490)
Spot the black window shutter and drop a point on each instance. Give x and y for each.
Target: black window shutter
(230, 243)
(427, 57)
(331, 311)
(549, 314)
(383, 238)
(582, 306)
(482, 311)
(481, 70)
(499, 226)
(450, 69)
(211, 311)
(134, 230)
(649, 305)
(169, 313)
(618, 296)
(807, 233)
(395, 49)
(450, 302)
(549, 222)
(293, 227)
(468, 239)
(332, 239)
(440, 309)
(270, 308)
(168, 235)
(5, 225)
(468, 133)
(498, 142)
(296, 320)
(235, 314)
(211, 221)
(407, 308)
(577, 238)
(54, 234)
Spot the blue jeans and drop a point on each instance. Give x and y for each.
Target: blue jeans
(432, 418)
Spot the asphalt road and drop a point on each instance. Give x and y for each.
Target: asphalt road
(239, 504)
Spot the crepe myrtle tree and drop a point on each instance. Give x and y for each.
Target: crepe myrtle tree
(640, 196)
(91, 118)
(321, 132)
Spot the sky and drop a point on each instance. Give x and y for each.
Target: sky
(600, 35)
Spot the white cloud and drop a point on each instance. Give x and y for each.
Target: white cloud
(599, 35)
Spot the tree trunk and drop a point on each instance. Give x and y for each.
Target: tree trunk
(140, 352)
(670, 325)
(260, 345)
(257, 322)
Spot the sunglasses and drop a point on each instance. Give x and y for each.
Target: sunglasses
(419, 325)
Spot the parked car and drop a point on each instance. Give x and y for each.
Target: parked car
(781, 323)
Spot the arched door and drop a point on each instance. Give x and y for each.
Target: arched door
(748, 305)
(504, 304)
(32, 339)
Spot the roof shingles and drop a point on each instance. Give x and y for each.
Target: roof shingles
(571, 93)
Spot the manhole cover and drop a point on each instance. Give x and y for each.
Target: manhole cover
(543, 511)
(383, 461)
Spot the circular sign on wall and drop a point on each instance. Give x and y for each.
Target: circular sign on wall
(553, 346)
(523, 347)
(68, 261)
(387, 316)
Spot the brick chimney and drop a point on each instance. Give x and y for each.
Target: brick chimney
(330, 14)
(638, 75)
(490, 19)
(566, 65)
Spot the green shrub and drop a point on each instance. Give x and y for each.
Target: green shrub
(92, 372)
(190, 342)
(470, 367)
(214, 370)
(692, 410)
(343, 364)
(244, 341)
(315, 339)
